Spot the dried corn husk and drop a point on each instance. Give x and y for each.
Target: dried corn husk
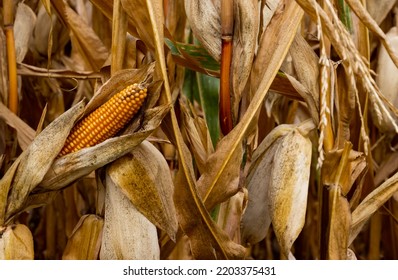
(85, 241)
(127, 233)
(16, 243)
(386, 80)
(144, 178)
(278, 186)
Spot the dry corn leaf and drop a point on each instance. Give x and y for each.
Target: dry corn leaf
(355, 166)
(84, 243)
(246, 24)
(206, 239)
(197, 135)
(282, 27)
(371, 204)
(204, 19)
(379, 9)
(90, 46)
(127, 233)
(25, 20)
(306, 66)
(230, 215)
(16, 243)
(25, 133)
(143, 14)
(339, 224)
(144, 177)
(358, 8)
(35, 161)
(225, 182)
(387, 168)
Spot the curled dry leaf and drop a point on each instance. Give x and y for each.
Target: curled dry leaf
(34, 162)
(91, 48)
(127, 233)
(16, 243)
(356, 164)
(144, 177)
(198, 137)
(141, 14)
(371, 204)
(85, 241)
(306, 66)
(207, 240)
(246, 24)
(218, 184)
(339, 224)
(25, 133)
(204, 19)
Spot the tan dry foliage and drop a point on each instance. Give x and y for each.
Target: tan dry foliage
(85, 241)
(16, 243)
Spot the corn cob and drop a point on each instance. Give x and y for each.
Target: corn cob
(107, 120)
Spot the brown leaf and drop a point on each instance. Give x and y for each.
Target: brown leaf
(25, 133)
(246, 24)
(84, 243)
(306, 65)
(16, 243)
(142, 13)
(207, 240)
(204, 19)
(127, 233)
(90, 46)
(221, 177)
(35, 161)
(197, 135)
(371, 204)
(339, 224)
(355, 166)
(144, 177)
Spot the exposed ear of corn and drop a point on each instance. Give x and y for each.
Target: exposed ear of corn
(106, 120)
(16, 243)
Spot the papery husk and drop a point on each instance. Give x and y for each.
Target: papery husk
(16, 243)
(127, 234)
(85, 241)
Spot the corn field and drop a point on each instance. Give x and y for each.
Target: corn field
(199, 129)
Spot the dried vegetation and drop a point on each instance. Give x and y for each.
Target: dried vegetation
(269, 130)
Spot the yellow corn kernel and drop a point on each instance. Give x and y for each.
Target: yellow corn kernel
(107, 120)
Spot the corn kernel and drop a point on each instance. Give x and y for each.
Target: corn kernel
(106, 120)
